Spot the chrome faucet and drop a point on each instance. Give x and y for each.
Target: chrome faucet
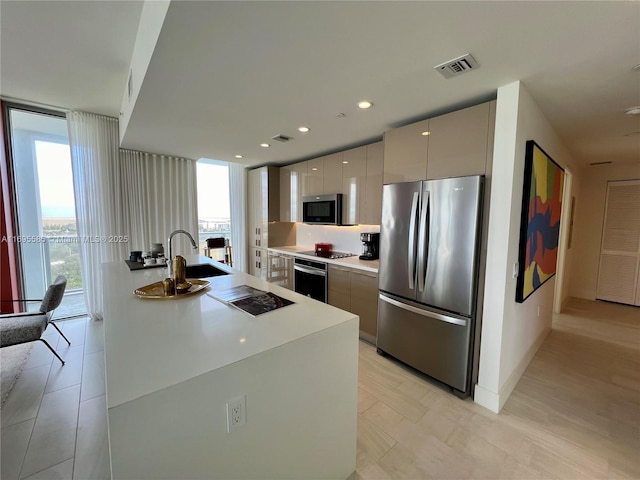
(173, 234)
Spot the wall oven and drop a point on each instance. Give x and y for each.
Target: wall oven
(310, 278)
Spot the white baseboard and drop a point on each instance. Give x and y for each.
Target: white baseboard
(487, 398)
(495, 401)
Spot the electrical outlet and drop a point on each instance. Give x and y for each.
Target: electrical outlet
(236, 413)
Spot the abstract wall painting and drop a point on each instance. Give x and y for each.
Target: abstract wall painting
(540, 221)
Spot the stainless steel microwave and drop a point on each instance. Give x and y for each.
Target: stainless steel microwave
(322, 209)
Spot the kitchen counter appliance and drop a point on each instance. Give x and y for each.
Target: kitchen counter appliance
(370, 246)
(429, 256)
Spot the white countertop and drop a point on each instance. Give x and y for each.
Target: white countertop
(154, 344)
(351, 262)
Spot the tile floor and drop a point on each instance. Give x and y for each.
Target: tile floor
(574, 414)
(54, 422)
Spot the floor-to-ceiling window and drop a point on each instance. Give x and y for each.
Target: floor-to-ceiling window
(214, 214)
(47, 238)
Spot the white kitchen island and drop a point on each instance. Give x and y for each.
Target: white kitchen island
(173, 365)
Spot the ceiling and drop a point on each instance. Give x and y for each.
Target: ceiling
(227, 76)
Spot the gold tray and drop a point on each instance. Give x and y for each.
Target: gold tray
(156, 290)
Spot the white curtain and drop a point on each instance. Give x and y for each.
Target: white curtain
(237, 194)
(160, 195)
(93, 141)
(125, 200)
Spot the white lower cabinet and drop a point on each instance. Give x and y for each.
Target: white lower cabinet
(356, 291)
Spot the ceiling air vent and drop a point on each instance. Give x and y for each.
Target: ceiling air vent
(457, 66)
(281, 138)
(600, 163)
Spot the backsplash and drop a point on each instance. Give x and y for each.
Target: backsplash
(344, 239)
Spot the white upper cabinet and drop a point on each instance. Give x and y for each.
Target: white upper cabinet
(314, 181)
(373, 187)
(354, 179)
(405, 153)
(332, 176)
(459, 142)
(451, 145)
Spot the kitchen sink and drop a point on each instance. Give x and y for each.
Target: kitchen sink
(203, 270)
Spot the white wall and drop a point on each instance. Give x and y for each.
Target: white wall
(151, 21)
(588, 221)
(512, 332)
(344, 239)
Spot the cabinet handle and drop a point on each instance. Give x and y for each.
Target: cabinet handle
(341, 269)
(364, 274)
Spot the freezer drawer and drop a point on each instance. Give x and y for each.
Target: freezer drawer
(435, 344)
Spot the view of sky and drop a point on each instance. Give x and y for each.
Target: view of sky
(213, 190)
(55, 179)
(56, 184)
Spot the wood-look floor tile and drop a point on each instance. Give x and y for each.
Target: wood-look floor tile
(24, 399)
(92, 443)
(365, 400)
(40, 356)
(13, 447)
(63, 376)
(372, 443)
(406, 406)
(54, 433)
(399, 463)
(74, 330)
(61, 471)
(48, 449)
(58, 409)
(93, 376)
(384, 417)
(94, 337)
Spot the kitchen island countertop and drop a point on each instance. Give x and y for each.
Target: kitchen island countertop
(175, 368)
(152, 344)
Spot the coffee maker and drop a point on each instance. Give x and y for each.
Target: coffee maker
(370, 246)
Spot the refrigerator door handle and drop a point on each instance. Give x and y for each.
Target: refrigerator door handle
(424, 313)
(423, 241)
(411, 250)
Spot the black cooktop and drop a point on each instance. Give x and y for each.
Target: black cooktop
(328, 255)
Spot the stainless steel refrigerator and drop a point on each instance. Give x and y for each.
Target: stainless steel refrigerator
(428, 276)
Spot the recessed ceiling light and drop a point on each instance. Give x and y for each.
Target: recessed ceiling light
(345, 162)
(633, 111)
(265, 145)
(303, 129)
(314, 169)
(340, 115)
(239, 156)
(425, 133)
(636, 68)
(631, 134)
(364, 104)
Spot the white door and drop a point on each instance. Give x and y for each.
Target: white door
(619, 270)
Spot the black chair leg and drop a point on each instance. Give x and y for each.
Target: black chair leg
(60, 332)
(52, 350)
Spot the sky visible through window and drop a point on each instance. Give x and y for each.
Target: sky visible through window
(213, 191)
(55, 180)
